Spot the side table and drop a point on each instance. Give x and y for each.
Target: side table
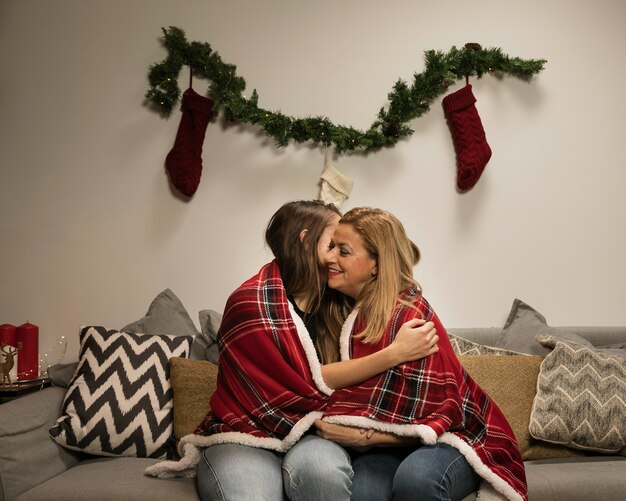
(21, 388)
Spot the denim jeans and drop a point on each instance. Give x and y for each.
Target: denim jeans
(317, 469)
(313, 469)
(430, 472)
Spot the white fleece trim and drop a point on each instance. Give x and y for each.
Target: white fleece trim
(495, 488)
(310, 352)
(190, 447)
(486, 492)
(346, 335)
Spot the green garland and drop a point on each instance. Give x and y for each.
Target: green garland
(405, 102)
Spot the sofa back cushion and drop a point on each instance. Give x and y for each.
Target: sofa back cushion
(27, 455)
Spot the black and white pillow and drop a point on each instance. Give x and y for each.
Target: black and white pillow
(119, 402)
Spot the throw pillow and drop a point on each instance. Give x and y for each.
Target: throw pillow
(204, 346)
(62, 374)
(166, 316)
(511, 383)
(193, 383)
(27, 455)
(119, 402)
(581, 397)
(521, 327)
(462, 346)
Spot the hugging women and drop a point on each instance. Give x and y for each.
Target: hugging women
(337, 380)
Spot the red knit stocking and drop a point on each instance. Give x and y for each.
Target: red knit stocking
(184, 161)
(468, 136)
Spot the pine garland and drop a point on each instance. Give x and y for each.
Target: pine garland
(405, 102)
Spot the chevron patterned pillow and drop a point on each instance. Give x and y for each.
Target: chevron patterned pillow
(581, 397)
(462, 346)
(119, 402)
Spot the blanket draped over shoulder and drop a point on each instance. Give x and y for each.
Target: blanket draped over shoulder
(270, 390)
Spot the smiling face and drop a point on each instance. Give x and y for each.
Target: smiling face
(349, 264)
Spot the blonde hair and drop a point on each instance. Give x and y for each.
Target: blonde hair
(386, 241)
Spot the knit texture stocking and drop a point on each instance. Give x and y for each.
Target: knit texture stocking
(468, 136)
(335, 187)
(184, 161)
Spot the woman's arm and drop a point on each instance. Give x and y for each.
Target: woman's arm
(416, 339)
(359, 438)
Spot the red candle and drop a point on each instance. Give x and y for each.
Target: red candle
(28, 356)
(8, 334)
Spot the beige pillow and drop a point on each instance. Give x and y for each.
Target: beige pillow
(511, 382)
(581, 397)
(193, 383)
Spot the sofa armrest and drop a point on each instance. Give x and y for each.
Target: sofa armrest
(28, 456)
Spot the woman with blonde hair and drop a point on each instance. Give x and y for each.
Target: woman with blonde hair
(449, 436)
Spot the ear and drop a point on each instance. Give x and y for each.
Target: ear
(302, 234)
(375, 269)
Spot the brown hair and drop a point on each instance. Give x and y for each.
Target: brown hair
(301, 270)
(386, 241)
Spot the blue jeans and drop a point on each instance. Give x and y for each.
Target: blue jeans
(430, 472)
(313, 469)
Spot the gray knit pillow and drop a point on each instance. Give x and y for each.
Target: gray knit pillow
(581, 397)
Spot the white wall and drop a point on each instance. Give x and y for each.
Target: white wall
(90, 230)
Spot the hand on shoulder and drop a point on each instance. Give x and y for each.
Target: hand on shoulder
(416, 339)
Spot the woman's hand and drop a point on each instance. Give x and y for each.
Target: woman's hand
(361, 439)
(348, 436)
(416, 339)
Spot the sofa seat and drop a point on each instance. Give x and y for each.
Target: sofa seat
(582, 478)
(104, 479)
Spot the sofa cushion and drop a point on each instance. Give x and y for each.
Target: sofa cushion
(103, 479)
(166, 316)
(581, 397)
(24, 440)
(511, 383)
(523, 324)
(576, 479)
(119, 402)
(62, 374)
(193, 383)
(205, 345)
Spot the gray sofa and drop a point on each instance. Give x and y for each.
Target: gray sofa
(33, 467)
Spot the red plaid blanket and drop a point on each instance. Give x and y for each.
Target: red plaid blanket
(269, 384)
(270, 390)
(434, 399)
